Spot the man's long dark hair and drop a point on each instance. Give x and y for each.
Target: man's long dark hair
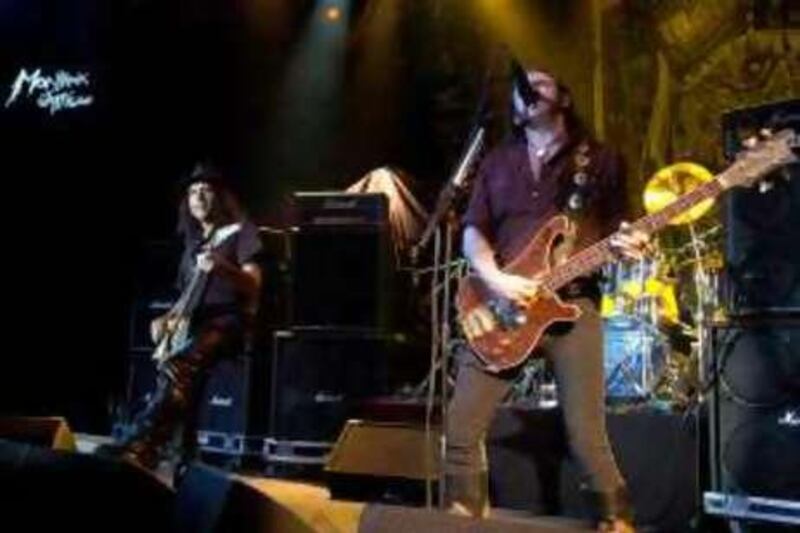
(227, 209)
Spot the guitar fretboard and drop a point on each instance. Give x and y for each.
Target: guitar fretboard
(594, 256)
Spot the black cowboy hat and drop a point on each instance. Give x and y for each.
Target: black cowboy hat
(205, 172)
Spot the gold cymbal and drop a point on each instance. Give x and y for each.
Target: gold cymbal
(672, 182)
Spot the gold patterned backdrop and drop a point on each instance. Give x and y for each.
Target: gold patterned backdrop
(670, 70)
(673, 68)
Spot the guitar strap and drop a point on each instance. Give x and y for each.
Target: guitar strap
(574, 199)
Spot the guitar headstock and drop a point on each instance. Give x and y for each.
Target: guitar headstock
(760, 158)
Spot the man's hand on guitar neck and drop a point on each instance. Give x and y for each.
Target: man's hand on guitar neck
(159, 326)
(630, 244)
(246, 278)
(207, 260)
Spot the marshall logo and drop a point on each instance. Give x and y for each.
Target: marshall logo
(340, 203)
(221, 401)
(326, 397)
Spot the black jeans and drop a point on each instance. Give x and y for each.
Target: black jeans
(577, 360)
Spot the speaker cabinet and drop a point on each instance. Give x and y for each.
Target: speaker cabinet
(763, 222)
(342, 277)
(320, 378)
(383, 461)
(232, 414)
(49, 431)
(755, 410)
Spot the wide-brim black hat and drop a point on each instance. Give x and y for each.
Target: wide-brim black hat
(207, 173)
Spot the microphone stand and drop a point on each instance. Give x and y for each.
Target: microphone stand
(441, 227)
(443, 273)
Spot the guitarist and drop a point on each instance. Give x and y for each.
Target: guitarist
(549, 165)
(219, 321)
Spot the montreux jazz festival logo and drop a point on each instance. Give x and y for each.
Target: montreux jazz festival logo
(57, 92)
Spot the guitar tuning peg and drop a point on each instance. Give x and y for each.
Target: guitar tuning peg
(750, 142)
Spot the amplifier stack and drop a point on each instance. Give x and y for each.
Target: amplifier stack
(754, 356)
(335, 352)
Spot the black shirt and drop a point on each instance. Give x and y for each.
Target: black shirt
(219, 296)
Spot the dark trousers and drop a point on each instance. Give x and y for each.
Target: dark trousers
(179, 384)
(577, 361)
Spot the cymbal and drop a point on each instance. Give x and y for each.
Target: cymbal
(674, 181)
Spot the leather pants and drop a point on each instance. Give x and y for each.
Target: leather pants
(179, 383)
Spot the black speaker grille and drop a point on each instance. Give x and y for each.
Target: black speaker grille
(756, 410)
(761, 452)
(760, 367)
(763, 223)
(342, 277)
(319, 379)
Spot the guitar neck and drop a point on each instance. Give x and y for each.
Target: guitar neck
(593, 257)
(191, 294)
(194, 289)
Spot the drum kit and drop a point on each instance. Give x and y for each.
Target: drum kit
(652, 308)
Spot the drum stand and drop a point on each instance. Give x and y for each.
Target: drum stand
(639, 379)
(535, 386)
(705, 298)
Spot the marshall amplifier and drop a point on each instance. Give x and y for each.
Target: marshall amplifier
(320, 379)
(763, 222)
(342, 264)
(754, 423)
(317, 209)
(230, 418)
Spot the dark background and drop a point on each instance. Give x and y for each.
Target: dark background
(267, 90)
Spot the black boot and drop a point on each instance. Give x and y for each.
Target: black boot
(137, 452)
(154, 426)
(467, 494)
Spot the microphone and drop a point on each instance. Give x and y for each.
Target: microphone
(526, 92)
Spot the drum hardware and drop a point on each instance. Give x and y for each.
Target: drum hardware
(535, 386)
(640, 304)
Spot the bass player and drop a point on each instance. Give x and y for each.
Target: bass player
(219, 278)
(549, 165)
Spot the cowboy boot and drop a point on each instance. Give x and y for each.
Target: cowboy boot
(612, 513)
(467, 494)
(156, 424)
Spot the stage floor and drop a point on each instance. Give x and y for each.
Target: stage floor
(302, 506)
